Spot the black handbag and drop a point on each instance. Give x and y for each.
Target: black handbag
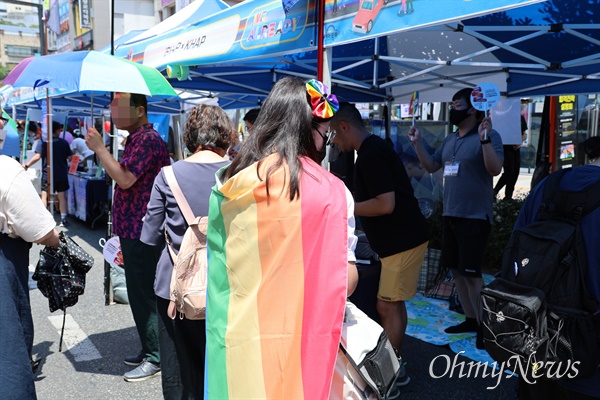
(60, 274)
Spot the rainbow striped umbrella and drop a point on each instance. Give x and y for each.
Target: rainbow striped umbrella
(89, 71)
(277, 278)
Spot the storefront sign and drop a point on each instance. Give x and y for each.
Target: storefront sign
(84, 14)
(84, 41)
(566, 125)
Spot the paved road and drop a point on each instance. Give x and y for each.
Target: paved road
(98, 337)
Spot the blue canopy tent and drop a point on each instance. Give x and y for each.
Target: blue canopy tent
(548, 48)
(76, 104)
(237, 53)
(541, 48)
(247, 84)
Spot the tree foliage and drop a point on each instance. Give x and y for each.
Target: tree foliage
(3, 72)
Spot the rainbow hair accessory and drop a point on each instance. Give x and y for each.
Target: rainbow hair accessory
(323, 105)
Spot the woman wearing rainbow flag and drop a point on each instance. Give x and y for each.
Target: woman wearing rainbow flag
(281, 259)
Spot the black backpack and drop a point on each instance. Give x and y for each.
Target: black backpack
(539, 309)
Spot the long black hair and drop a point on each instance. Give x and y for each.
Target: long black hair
(283, 126)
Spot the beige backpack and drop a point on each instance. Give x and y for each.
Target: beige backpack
(188, 282)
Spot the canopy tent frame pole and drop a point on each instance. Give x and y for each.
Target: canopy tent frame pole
(107, 284)
(350, 66)
(402, 61)
(546, 85)
(339, 83)
(375, 62)
(468, 56)
(321, 60)
(49, 154)
(214, 78)
(340, 78)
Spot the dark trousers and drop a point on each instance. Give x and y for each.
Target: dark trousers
(16, 323)
(182, 349)
(140, 269)
(512, 167)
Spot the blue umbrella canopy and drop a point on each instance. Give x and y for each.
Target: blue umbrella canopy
(89, 71)
(12, 140)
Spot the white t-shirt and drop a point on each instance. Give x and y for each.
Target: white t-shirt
(80, 148)
(22, 213)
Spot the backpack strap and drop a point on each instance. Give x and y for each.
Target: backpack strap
(573, 205)
(184, 206)
(553, 200)
(592, 196)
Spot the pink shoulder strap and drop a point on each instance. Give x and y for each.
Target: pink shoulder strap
(185, 208)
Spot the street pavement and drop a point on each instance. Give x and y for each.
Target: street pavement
(522, 186)
(98, 337)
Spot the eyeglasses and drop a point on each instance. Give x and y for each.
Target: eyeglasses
(4, 120)
(329, 135)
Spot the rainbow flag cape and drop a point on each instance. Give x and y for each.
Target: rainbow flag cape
(277, 281)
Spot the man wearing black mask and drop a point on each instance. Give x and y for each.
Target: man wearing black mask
(471, 157)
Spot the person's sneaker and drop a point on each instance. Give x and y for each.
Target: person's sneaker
(35, 364)
(144, 371)
(136, 360)
(403, 378)
(64, 223)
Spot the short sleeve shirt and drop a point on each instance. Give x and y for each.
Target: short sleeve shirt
(22, 213)
(380, 170)
(144, 155)
(60, 163)
(79, 147)
(470, 193)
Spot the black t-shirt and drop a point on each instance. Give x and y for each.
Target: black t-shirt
(60, 164)
(379, 170)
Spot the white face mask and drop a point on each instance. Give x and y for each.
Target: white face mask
(2, 137)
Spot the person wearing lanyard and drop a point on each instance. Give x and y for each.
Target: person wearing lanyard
(471, 157)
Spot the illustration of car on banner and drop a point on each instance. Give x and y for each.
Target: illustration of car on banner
(367, 12)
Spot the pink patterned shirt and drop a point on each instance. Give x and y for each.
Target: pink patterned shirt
(144, 155)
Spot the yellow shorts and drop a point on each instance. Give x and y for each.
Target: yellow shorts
(400, 274)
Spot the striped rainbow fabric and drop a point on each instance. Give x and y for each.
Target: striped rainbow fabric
(277, 280)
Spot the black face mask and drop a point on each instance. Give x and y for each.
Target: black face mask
(458, 116)
(321, 154)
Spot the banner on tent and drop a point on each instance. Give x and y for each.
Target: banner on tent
(353, 20)
(248, 30)
(160, 123)
(259, 28)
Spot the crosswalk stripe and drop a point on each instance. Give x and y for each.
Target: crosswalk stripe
(75, 339)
